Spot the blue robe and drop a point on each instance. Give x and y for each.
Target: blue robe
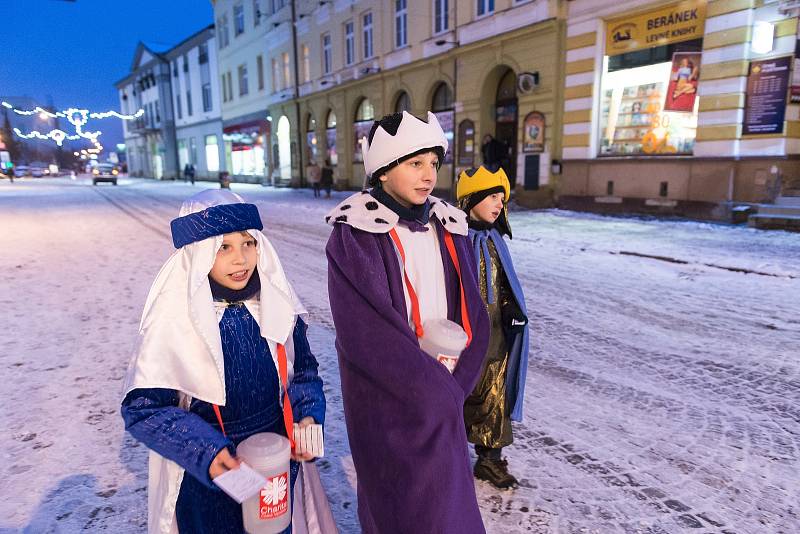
(193, 438)
(518, 345)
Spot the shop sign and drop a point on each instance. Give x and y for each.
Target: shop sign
(683, 21)
(533, 132)
(765, 107)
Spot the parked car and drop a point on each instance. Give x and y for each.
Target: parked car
(22, 170)
(104, 172)
(39, 169)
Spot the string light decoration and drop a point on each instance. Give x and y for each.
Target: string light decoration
(76, 117)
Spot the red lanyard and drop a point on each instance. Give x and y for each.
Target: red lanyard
(288, 418)
(415, 315)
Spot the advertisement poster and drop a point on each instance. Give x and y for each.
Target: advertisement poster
(466, 140)
(682, 89)
(533, 132)
(767, 85)
(361, 129)
(447, 122)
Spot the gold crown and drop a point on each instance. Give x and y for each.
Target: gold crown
(481, 180)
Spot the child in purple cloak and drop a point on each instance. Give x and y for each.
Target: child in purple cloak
(397, 257)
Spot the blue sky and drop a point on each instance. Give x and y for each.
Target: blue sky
(75, 51)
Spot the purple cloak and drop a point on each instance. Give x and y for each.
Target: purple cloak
(403, 409)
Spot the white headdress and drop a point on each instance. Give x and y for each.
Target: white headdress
(179, 340)
(413, 134)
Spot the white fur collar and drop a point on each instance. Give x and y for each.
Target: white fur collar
(363, 212)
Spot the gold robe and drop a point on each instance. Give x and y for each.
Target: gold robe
(486, 410)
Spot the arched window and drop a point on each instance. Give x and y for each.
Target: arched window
(365, 115)
(402, 103)
(442, 98)
(443, 107)
(507, 88)
(311, 137)
(365, 111)
(330, 138)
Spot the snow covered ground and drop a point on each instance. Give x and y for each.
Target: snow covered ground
(663, 391)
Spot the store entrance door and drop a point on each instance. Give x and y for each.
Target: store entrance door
(506, 118)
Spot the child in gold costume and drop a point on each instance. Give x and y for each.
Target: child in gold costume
(497, 398)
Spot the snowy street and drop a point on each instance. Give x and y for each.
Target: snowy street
(663, 390)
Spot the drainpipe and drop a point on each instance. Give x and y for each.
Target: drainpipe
(297, 94)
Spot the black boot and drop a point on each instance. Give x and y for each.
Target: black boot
(494, 470)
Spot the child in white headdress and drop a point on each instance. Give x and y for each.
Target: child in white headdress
(222, 355)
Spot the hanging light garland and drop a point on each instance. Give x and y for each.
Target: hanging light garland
(75, 116)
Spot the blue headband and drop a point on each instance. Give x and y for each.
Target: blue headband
(216, 220)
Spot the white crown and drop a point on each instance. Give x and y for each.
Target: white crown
(412, 135)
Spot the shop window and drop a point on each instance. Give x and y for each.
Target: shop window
(649, 101)
(212, 153)
(442, 98)
(365, 116)
(442, 107)
(311, 138)
(330, 138)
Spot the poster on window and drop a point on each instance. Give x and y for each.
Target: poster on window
(682, 88)
(361, 129)
(533, 132)
(330, 137)
(765, 105)
(447, 122)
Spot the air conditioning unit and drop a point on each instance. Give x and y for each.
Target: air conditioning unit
(527, 82)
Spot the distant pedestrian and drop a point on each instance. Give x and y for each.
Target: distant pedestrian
(326, 179)
(314, 175)
(224, 180)
(11, 173)
(493, 152)
(188, 173)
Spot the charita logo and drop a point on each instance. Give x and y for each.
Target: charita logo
(623, 32)
(274, 497)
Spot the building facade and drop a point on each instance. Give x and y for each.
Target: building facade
(468, 61)
(678, 107)
(196, 102)
(149, 140)
(242, 45)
